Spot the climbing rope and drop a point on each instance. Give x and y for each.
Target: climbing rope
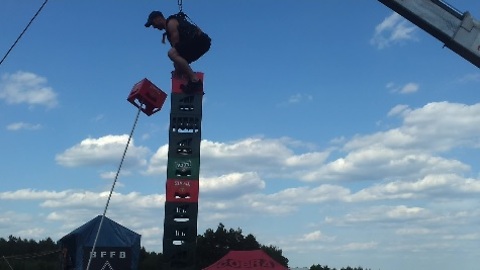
(113, 185)
(23, 32)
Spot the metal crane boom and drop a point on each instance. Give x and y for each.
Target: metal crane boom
(458, 31)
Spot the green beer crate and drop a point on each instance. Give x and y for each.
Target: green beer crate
(183, 168)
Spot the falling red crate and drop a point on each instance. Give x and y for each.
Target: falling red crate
(148, 97)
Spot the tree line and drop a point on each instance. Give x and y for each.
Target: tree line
(319, 267)
(22, 254)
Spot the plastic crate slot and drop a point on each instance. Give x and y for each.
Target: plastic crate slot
(181, 219)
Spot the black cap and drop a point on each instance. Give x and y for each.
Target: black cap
(153, 15)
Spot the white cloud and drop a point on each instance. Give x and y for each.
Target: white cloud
(258, 154)
(30, 194)
(408, 88)
(98, 118)
(111, 175)
(383, 214)
(23, 126)
(468, 237)
(410, 150)
(26, 87)
(106, 150)
(399, 110)
(407, 151)
(22, 224)
(150, 235)
(471, 77)
(413, 231)
(355, 246)
(35, 233)
(392, 30)
(456, 127)
(298, 98)
(313, 236)
(404, 212)
(158, 162)
(250, 154)
(234, 184)
(304, 195)
(430, 185)
(132, 200)
(257, 205)
(387, 163)
(257, 178)
(316, 236)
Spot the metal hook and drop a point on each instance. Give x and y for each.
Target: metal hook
(180, 5)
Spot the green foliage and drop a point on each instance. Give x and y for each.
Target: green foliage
(213, 245)
(276, 254)
(23, 254)
(18, 253)
(150, 260)
(319, 267)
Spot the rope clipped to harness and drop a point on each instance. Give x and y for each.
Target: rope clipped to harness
(180, 8)
(180, 5)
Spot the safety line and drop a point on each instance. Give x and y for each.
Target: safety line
(31, 255)
(113, 186)
(23, 32)
(7, 263)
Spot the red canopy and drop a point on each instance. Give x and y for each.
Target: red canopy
(251, 260)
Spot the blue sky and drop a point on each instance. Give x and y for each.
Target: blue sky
(334, 130)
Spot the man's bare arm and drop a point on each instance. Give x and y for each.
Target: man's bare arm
(172, 29)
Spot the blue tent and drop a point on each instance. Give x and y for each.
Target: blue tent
(117, 246)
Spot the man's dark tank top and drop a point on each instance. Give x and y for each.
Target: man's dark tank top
(186, 30)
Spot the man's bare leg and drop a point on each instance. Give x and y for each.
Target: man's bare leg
(181, 64)
(177, 71)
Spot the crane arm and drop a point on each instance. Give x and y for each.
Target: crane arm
(458, 31)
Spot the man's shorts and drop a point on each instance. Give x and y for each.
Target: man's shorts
(193, 49)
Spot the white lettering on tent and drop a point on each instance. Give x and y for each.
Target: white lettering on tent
(109, 254)
(255, 263)
(105, 266)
